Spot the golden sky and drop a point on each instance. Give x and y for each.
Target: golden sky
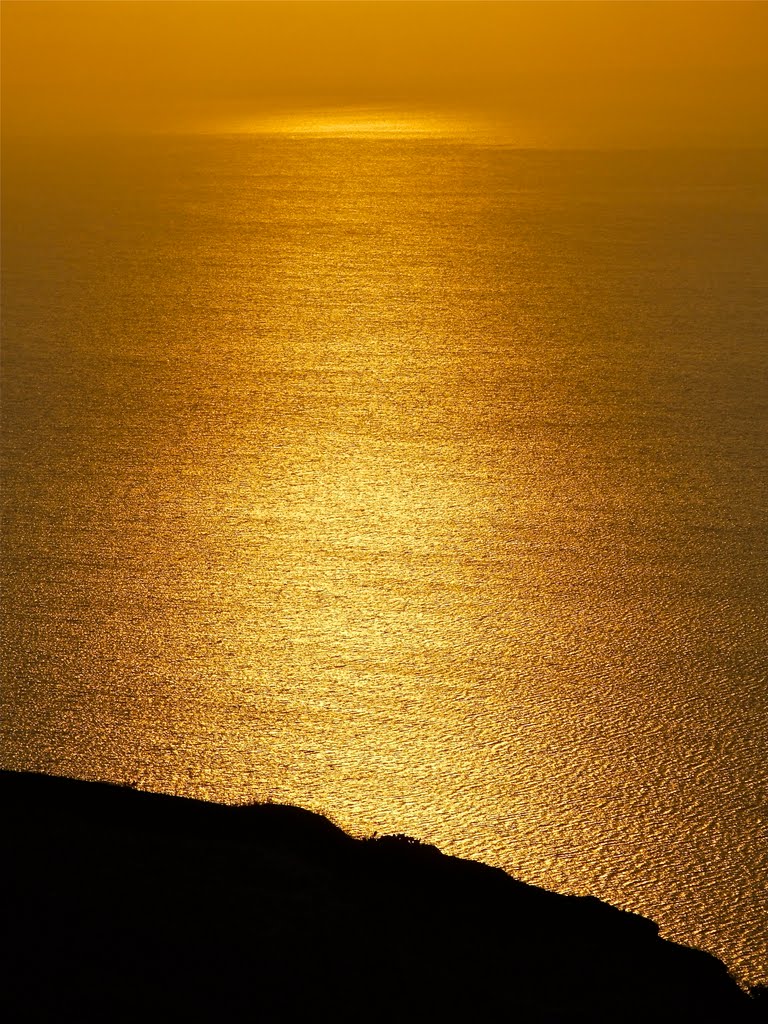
(545, 73)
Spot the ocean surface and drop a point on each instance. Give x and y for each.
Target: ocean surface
(413, 480)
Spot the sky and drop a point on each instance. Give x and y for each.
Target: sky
(612, 73)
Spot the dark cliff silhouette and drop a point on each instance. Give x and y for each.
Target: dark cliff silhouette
(123, 905)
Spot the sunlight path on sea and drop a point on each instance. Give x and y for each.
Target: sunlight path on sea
(414, 481)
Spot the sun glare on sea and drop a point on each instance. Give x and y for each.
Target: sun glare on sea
(381, 123)
(354, 123)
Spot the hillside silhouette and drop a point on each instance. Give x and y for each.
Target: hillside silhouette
(125, 905)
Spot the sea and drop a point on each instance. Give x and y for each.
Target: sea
(416, 480)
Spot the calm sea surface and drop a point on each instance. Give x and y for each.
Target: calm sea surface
(417, 482)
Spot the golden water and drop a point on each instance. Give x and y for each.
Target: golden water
(416, 481)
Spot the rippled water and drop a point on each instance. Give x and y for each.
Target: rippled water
(418, 482)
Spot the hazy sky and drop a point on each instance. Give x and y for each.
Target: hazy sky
(552, 73)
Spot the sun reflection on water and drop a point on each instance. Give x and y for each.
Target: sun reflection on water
(357, 122)
(339, 503)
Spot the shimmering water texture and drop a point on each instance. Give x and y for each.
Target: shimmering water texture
(416, 481)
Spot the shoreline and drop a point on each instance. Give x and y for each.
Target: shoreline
(133, 905)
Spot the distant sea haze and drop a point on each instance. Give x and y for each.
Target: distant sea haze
(414, 481)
